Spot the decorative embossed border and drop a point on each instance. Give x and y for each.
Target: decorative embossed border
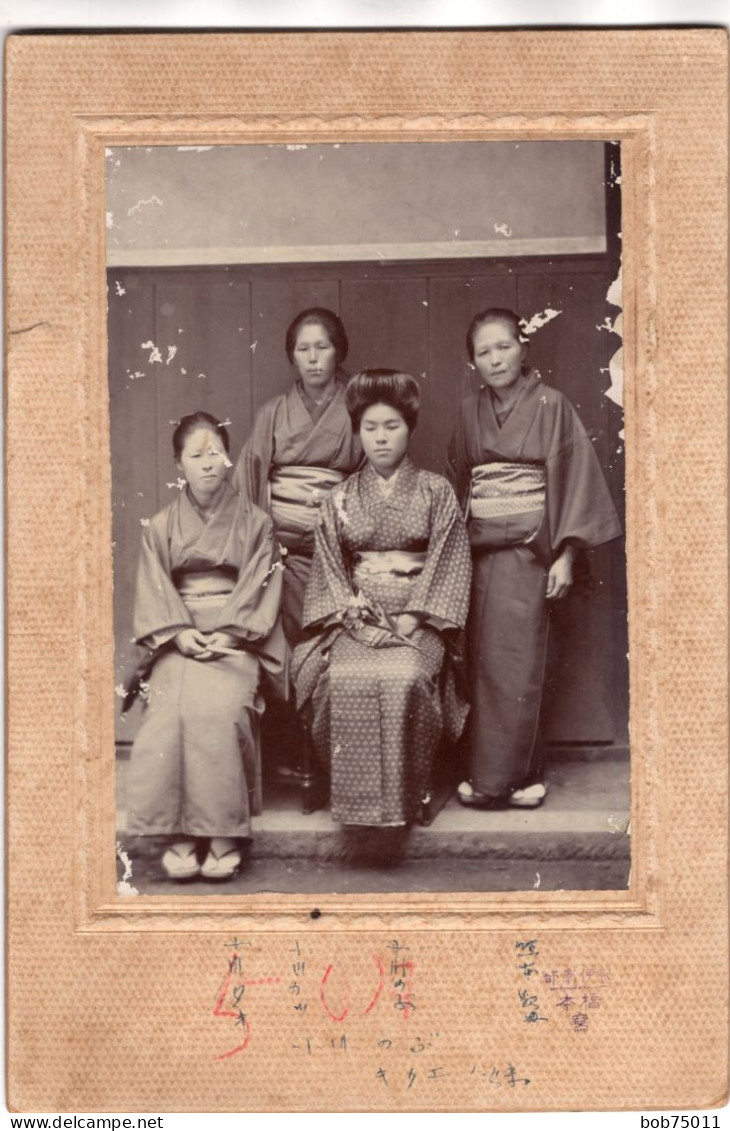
(99, 907)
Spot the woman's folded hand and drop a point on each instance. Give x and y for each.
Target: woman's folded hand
(223, 642)
(407, 624)
(192, 642)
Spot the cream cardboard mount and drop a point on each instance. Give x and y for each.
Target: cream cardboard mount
(412, 1001)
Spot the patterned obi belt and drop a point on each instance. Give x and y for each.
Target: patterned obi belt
(388, 577)
(204, 593)
(396, 563)
(297, 493)
(501, 489)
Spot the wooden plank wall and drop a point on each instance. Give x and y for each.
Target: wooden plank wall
(219, 335)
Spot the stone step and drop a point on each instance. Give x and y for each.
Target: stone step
(585, 816)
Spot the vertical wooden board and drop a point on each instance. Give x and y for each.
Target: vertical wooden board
(387, 324)
(274, 303)
(133, 442)
(452, 303)
(572, 353)
(207, 324)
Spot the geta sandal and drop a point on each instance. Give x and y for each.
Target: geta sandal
(223, 859)
(180, 862)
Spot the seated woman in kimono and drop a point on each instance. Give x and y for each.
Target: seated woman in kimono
(300, 447)
(386, 601)
(207, 603)
(533, 491)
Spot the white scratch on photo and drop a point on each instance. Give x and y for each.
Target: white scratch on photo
(539, 320)
(141, 204)
(123, 886)
(155, 355)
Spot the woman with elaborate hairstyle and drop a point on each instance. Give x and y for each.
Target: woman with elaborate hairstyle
(384, 609)
(208, 594)
(534, 493)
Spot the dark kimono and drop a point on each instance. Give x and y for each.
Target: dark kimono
(529, 487)
(377, 714)
(297, 452)
(195, 766)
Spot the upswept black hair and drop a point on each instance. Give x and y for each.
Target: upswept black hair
(193, 421)
(383, 386)
(494, 314)
(318, 315)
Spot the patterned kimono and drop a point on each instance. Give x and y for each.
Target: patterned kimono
(297, 452)
(530, 486)
(378, 713)
(195, 766)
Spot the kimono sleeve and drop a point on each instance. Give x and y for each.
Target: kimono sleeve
(579, 506)
(458, 471)
(329, 587)
(159, 612)
(252, 609)
(441, 594)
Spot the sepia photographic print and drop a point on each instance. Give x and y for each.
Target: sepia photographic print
(367, 478)
(318, 646)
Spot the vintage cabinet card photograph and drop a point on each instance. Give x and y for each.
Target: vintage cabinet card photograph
(367, 590)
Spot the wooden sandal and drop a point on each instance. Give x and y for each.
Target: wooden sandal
(223, 859)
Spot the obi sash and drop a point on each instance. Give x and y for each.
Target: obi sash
(501, 489)
(397, 563)
(296, 494)
(205, 593)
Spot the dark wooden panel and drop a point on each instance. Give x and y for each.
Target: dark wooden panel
(570, 351)
(572, 354)
(378, 269)
(209, 327)
(452, 303)
(413, 316)
(387, 324)
(273, 305)
(133, 434)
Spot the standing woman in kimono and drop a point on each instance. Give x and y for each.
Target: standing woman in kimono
(208, 595)
(386, 602)
(301, 446)
(534, 493)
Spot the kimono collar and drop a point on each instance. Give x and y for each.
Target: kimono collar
(317, 410)
(189, 511)
(514, 428)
